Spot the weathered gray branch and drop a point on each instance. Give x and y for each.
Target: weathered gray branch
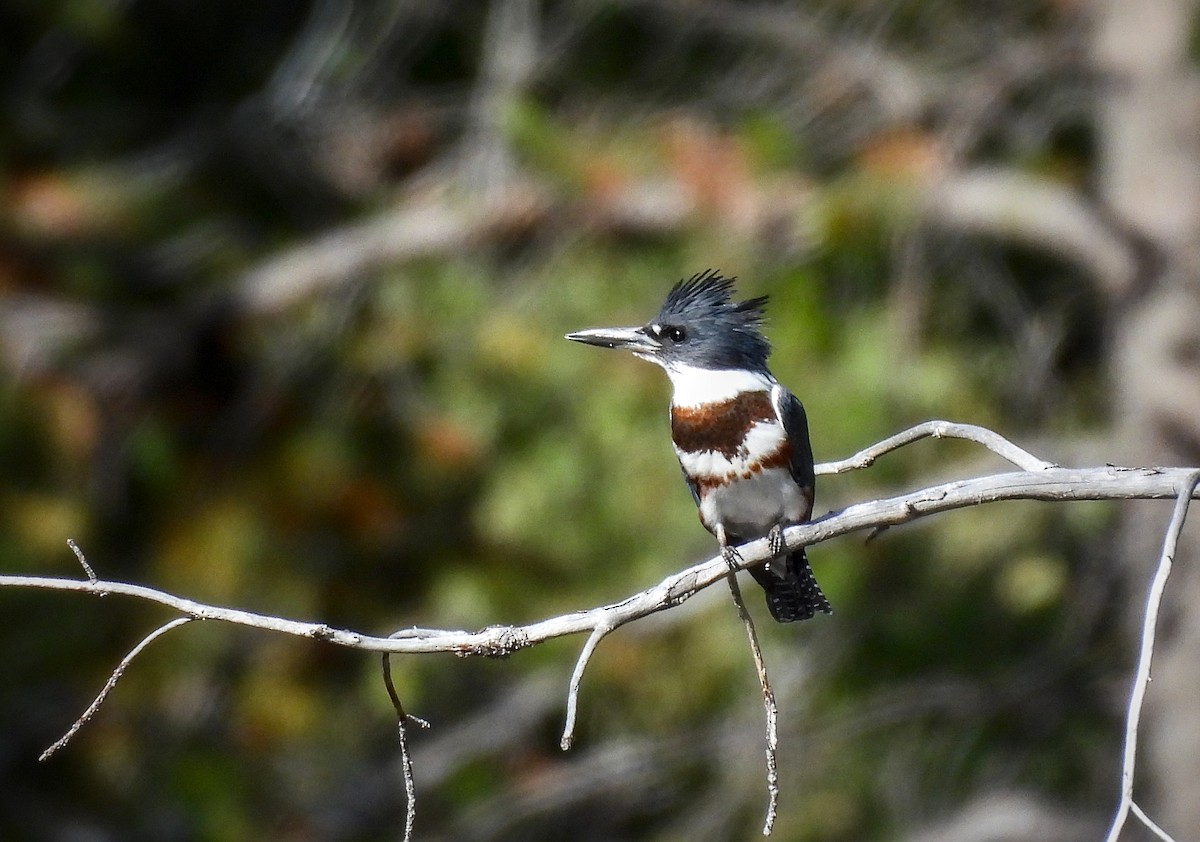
(1039, 480)
(994, 442)
(112, 680)
(1050, 484)
(1142, 679)
(772, 710)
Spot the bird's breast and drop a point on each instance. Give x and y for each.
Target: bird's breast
(724, 426)
(738, 456)
(751, 502)
(763, 447)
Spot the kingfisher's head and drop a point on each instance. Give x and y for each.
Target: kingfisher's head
(699, 325)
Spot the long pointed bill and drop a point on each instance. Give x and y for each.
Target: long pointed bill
(627, 338)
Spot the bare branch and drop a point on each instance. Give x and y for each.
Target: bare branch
(1050, 484)
(1040, 480)
(768, 695)
(406, 767)
(83, 562)
(1150, 823)
(111, 683)
(585, 655)
(1150, 623)
(939, 430)
(410, 787)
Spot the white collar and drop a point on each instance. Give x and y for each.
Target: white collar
(696, 386)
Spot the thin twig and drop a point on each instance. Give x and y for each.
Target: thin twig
(585, 655)
(768, 696)
(403, 716)
(87, 568)
(111, 683)
(994, 442)
(410, 787)
(1142, 678)
(1150, 823)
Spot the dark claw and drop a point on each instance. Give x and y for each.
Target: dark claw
(732, 557)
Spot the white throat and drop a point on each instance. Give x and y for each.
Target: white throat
(696, 386)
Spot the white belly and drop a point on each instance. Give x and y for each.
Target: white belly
(748, 508)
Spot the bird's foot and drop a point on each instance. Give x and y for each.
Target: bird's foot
(775, 540)
(733, 558)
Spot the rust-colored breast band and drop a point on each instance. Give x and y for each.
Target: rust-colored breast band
(720, 427)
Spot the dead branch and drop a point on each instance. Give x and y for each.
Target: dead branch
(82, 559)
(1039, 480)
(768, 695)
(403, 717)
(1050, 484)
(585, 655)
(994, 442)
(1142, 679)
(111, 683)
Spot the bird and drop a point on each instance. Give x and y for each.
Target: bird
(741, 438)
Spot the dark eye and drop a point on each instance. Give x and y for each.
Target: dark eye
(675, 334)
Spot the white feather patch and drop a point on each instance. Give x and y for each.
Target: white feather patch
(750, 507)
(761, 439)
(698, 386)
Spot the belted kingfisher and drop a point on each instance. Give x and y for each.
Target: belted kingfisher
(741, 438)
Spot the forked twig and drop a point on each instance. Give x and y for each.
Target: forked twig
(1150, 823)
(403, 716)
(1142, 678)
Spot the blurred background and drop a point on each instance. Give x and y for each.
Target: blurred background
(282, 294)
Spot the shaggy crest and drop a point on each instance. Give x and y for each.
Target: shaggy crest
(728, 333)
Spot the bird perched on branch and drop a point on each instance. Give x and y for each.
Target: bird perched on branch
(741, 438)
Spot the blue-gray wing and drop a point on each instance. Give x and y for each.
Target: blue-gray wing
(692, 487)
(795, 424)
(792, 591)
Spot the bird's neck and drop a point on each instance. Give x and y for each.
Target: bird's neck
(698, 386)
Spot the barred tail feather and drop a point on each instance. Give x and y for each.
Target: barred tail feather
(792, 591)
